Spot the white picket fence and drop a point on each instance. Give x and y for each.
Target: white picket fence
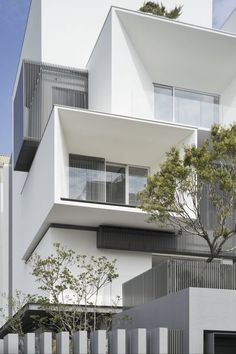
(120, 341)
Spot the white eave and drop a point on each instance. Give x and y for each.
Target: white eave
(122, 139)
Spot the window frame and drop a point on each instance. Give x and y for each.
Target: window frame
(111, 163)
(127, 166)
(176, 88)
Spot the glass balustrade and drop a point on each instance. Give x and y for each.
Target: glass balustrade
(186, 107)
(93, 179)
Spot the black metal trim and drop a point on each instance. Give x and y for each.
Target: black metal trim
(95, 202)
(26, 155)
(73, 227)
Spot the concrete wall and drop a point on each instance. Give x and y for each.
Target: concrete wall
(100, 70)
(33, 198)
(193, 310)
(132, 87)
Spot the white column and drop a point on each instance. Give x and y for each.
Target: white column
(29, 343)
(80, 342)
(11, 344)
(159, 341)
(63, 343)
(118, 341)
(46, 343)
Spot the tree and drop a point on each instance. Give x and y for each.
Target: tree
(16, 303)
(173, 196)
(160, 10)
(71, 283)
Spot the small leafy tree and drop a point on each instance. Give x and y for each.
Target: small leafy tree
(17, 302)
(160, 10)
(173, 196)
(70, 284)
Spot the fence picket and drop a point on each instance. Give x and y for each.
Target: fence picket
(63, 343)
(159, 341)
(29, 343)
(138, 341)
(118, 341)
(1, 346)
(11, 344)
(46, 343)
(99, 342)
(121, 341)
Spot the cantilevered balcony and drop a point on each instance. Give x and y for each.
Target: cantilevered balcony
(40, 87)
(173, 275)
(89, 167)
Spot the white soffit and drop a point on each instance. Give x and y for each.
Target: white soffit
(119, 139)
(180, 54)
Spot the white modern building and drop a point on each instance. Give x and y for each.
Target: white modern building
(101, 93)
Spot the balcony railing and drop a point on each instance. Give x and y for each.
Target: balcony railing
(193, 108)
(93, 179)
(173, 275)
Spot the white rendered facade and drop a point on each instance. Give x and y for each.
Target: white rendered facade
(126, 55)
(4, 228)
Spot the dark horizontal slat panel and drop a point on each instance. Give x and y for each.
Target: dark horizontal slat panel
(135, 239)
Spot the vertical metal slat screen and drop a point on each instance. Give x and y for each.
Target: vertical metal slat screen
(40, 86)
(46, 85)
(173, 275)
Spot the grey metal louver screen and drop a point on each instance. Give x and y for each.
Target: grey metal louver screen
(135, 239)
(175, 341)
(41, 86)
(68, 97)
(156, 241)
(173, 275)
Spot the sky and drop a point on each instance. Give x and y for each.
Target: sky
(13, 16)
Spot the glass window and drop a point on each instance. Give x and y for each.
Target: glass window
(91, 179)
(137, 181)
(163, 103)
(196, 108)
(115, 184)
(87, 178)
